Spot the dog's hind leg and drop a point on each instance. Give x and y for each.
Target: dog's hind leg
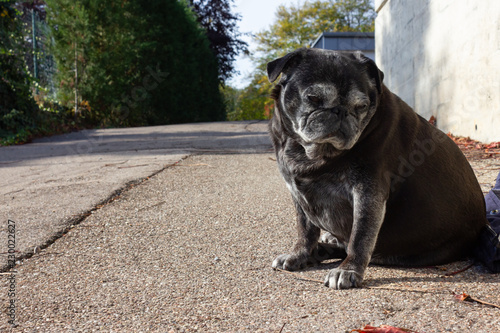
(329, 250)
(328, 238)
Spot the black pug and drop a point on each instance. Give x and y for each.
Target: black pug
(388, 187)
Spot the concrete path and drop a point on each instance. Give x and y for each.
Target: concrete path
(187, 247)
(53, 183)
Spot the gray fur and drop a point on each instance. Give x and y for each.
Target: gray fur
(347, 149)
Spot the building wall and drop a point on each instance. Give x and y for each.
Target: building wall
(443, 58)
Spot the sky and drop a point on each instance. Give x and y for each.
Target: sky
(256, 15)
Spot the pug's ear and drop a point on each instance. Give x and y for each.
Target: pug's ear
(371, 69)
(275, 67)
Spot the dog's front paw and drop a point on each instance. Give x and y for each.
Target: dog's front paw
(339, 278)
(290, 262)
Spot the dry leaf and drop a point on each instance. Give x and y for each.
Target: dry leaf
(383, 329)
(467, 298)
(463, 297)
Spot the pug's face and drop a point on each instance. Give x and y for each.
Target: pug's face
(326, 97)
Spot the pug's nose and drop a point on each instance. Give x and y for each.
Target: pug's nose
(340, 111)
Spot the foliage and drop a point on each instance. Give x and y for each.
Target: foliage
(253, 102)
(18, 109)
(231, 97)
(70, 31)
(24, 115)
(221, 28)
(44, 70)
(138, 62)
(295, 27)
(358, 15)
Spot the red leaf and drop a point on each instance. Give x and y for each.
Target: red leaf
(494, 145)
(462, 297)
(433, 120)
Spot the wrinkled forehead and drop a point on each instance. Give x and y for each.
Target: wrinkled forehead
(326, 67)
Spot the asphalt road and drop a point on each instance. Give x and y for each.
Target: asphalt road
(53, 183)
(174, 228)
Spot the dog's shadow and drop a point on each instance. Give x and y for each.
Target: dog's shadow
(460, 271)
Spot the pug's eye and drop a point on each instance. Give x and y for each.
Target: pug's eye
(314, 99)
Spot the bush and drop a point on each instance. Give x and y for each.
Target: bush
(139, 62)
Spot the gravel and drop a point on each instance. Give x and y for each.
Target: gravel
(190, 250)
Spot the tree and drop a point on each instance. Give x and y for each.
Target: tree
(221, 28)
(18, 110)
(295, 27)
(358, 15)
(33, 17)
(138, 62)
(71, 32)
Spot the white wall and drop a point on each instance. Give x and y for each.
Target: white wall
(442, 57)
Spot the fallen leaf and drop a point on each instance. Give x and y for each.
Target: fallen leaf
(467, 298)
(462, 297)
(383, 329)
(494, 145)
(433, 120)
